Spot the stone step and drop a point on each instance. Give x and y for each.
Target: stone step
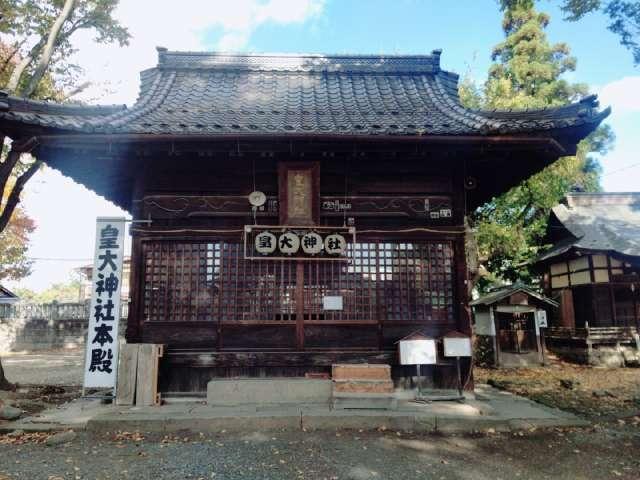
(363, 386)
(361, 371)
(267, 391)
(364, 401)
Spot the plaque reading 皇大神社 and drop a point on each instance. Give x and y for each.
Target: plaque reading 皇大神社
(299, 193)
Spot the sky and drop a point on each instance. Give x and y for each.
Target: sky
(466, 30)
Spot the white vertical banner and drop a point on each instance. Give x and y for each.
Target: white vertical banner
(101, 357)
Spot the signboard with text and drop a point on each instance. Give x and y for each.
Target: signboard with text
(101, 358)
(282, 242)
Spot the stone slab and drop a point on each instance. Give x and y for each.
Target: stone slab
(249, 391)
(500, 411)
(361, 401)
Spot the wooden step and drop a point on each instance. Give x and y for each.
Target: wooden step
(361, 371)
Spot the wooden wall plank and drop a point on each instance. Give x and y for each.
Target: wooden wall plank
(127, 373)
(147, 379)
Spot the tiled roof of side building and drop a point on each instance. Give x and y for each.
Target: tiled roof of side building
(608, 221)
(193, 93)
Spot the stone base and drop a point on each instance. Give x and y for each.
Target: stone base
(269, 391)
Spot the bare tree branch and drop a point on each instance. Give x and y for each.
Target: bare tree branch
(76, 91)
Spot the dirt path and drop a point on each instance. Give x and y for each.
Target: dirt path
(46, 368)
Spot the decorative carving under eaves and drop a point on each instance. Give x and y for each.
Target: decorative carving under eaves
(431, 207)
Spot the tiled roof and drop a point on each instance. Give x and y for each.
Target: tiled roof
(599, 221)
(505, 291)
(195, 93)
(5, 293)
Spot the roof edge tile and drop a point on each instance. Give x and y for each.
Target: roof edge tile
(284, 62)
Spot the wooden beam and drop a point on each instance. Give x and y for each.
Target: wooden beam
(196, 358)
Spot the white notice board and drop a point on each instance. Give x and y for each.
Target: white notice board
(457, 346)
(101, 357)
(418, 352)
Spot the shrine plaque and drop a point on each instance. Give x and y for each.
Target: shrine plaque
(299, 193)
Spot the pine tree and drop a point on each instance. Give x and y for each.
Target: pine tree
(527, 73)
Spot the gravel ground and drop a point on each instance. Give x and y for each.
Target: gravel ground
(47, 368)
(555, 454)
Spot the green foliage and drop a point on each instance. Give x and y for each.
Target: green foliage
(624, 19)
(14, 243)
(527, 73)
(527, 70)
(27, 24)
(68, 292)
(34, 62)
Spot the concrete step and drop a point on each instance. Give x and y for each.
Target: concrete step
(364, 401)
(361, 371)
(363, 386)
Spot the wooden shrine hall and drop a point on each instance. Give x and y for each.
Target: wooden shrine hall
(305, 210)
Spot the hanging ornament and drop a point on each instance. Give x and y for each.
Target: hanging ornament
(288, 243)
(312, 243)
(265, 243)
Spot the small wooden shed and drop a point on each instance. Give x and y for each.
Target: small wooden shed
(507, 326)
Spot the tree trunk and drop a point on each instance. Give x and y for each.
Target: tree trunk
(4, 383)
(47, 51)
(14, 196)
(14, 79)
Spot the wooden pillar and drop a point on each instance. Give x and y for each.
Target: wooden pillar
(636, 313)
(462, 292)
(496, 340)
(537, 331)
(567, 312)
(300, 305)
(612, 295)
(135, 318)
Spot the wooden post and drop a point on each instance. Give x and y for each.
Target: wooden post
(636, 314)
(300, 305)
(459, 376)
(612, 295)
(538, 332)
(496, 340)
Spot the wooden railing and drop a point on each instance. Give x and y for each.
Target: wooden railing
(594, 334)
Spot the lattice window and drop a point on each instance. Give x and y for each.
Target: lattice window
(181, 281)
(388, 281)
(256, 291)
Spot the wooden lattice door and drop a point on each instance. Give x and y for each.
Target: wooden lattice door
(278, 303)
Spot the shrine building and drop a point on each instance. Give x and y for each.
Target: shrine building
(303, 210)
